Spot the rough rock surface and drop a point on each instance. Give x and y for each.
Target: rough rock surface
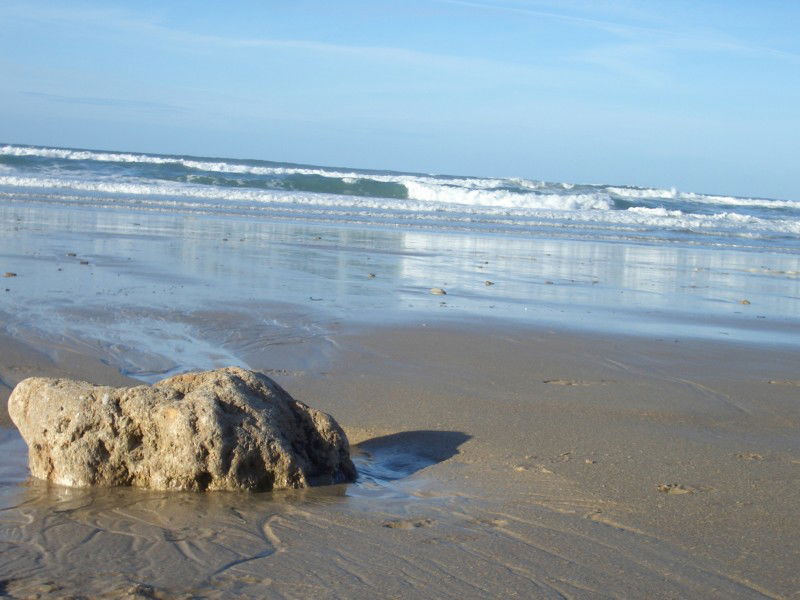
(229, 429)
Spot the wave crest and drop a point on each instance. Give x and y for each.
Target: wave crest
(451, 194)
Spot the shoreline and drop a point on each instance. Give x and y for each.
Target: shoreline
(71, 260)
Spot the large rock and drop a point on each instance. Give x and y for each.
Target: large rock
(229, 429)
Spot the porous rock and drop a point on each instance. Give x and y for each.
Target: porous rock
(228, 429)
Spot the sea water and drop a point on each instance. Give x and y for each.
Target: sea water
(168, 239)
(523, 207)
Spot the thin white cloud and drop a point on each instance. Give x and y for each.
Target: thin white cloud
(633, 51)
(119, 20)
(146, 105)
(708, 40)
(532, 12)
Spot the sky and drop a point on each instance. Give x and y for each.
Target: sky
(699, 95)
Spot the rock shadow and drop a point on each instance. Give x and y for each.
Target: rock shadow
(392, 457)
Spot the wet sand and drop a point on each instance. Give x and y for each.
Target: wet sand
(494, 462)
(603, 421)
(602, 428)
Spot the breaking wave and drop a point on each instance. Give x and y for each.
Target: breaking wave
(390, 198)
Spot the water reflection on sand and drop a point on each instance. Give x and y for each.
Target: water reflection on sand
(150, 276)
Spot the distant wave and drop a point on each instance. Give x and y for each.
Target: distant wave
(659, 211)
(735, 201)
(433, 197)
(512, 192)
(280, 190)
(478, 197)
(629, 192)
(233, 168)
(673, 194)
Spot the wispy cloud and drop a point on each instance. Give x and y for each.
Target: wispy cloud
(639, 47)
(110, 19)
(111, 102)
(534, 12)
(658, 37)
(631, 61)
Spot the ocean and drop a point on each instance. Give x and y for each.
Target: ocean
(515, 206)
(154, 242)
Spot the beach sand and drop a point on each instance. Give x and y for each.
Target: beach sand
(496, 461)
(547, 454)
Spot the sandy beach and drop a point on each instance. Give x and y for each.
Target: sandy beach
(450, 299)
(540, 437)
(495, 461)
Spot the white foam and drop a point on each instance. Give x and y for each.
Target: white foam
(237, 168)
(541, 211)
(626, 192)
(414, 183)
(424, 197)
(655, 212)
(123, 157)
(659, 218)
(673, 194)
(193, 196)
(431, 199)
(529, 184)
(449, 194)
(134, 188)
(734, 201)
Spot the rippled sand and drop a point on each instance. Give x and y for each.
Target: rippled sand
(479, 478)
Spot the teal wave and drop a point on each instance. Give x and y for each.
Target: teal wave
(304, 183)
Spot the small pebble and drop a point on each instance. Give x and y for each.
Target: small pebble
(370, 275)
(548, 283)
(744, 302)
(9, 274)
(673, 488)
(487, 282)
(438, 291)
(408, 523)
(71, 254)
(749, 456)
(84, 262)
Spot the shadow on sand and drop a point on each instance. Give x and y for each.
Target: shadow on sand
(392, 457)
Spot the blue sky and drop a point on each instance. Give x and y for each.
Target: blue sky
(703, 96)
